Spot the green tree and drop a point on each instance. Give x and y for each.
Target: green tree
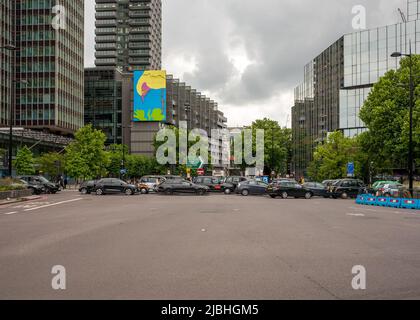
(117, 155)
(51, 163)
(277, 145)
(86, 157)
(331, 159)
(386, 115)
(24, 163)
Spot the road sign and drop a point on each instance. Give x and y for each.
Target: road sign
(197, 163)
(123, 171)
(200, 172)
(350, 169)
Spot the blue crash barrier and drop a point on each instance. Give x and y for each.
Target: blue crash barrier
(394, 202)
(371, 201)
(361, 199)
(409, 204)
(368, 199)
(382, 201)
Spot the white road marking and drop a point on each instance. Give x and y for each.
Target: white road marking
(356, 214)
(54, 204)
(10, 213)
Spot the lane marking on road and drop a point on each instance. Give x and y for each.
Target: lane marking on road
(356, 214)
(10, 213)
(54, 204)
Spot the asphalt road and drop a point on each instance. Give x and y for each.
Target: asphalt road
(212, 247)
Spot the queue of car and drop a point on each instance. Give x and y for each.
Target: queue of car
(202, 185)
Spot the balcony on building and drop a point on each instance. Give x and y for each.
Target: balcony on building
(138, 37)
(106, 54)
(106, 23)
(105, 62)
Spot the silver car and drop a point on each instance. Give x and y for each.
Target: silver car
(151, 182)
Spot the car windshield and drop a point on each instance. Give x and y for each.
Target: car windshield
(43, 180)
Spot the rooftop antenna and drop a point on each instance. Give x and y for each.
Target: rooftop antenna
(402, 15)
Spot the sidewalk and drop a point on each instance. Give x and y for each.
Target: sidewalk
(11, 201)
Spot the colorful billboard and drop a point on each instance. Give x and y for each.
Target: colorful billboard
(150, 95)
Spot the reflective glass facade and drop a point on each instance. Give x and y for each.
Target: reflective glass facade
(367, 57)
(6, 58)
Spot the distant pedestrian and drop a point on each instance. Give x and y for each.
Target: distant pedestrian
(61, 181)
(66, 181)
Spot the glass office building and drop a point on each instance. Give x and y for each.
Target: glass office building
(367, 57)
(6, 59)
(342, 78)
(49, 65)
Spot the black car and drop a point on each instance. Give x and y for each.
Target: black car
(215, 184)
(318, 189)
(346, 188)
(287, 189)
(48, 186)
(111, 185)
(170, 187)
(36, 188)
(88, 187)
(254, 187)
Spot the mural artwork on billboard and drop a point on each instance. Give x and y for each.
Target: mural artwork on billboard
(150, 95)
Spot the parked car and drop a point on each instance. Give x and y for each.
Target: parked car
(215, 184)
(170, 187)
(347, 188)
(251, 187)
(36, 188)
(378, 184)
(149, 183)
(48, 186)
(328, 183)
(389, 189)
(87, 187)
(111, 185)
(318, 189)
(234, 181)
(286, 189)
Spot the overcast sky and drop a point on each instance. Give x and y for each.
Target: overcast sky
(249, 55)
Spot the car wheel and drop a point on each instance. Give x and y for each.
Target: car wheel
(129, 192)
(99, 192)
(344, 195)
(83, 191)
(284, 195)
(245, 192)
(308, 195)
(144, 191)
(201, 192)
(273, 196)
(169, 192)
(228, 191)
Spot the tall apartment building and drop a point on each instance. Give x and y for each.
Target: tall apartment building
(338, 81)
(50, 66)
(129, 34)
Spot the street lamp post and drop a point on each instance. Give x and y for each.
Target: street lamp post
(12, 49)
(410, 143)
